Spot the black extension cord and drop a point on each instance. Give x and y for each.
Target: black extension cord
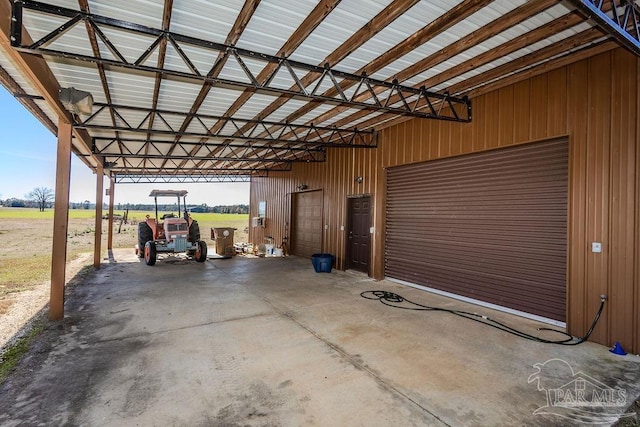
(394, 300)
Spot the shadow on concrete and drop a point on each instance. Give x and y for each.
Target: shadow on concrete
(267, 341)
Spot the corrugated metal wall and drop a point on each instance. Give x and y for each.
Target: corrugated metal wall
(594, 102)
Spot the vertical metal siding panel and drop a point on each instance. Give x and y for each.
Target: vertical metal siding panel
(621, 225)
(576, 118)
(406, 143)
(434, 139)
(598, 140)
(371, 164)
(455, 142)
(391, 147)
(466, 136)
(379, 203)
(492, 124)
(557, 103)
(409, 155)
(521, 112)
(506, 116)
(327, 177)
(445, 139)
(538, 111)
(636, 311)
(394, 146)
(418, 138)
(480, 122)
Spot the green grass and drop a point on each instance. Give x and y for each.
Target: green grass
(32, 213)
(18, 273)
(14, 353)
(205, 218)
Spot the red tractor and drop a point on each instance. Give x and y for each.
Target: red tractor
(174, 234)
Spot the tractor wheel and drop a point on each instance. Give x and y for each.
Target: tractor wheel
(201, 252)
(194, 232)
(144, 235)
(150, 254)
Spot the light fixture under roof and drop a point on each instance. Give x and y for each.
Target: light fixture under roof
(76, 101)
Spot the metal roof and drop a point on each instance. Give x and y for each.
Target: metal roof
(194, 90)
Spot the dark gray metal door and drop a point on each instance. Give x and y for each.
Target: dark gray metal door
(358, 235)
(490, 226)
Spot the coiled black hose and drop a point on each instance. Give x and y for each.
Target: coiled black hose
(394, 300)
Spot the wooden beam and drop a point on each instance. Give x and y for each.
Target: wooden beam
(392, 12)
(162, 54)
(237, 29)
(112, 191)
(533, 58)
(527, 69)
(543, 32)
(93, 40)
(311, 22)
(60, 222)
(499, 25)
(587, 52)
(360, 37)
(319, 13)
(97, 249)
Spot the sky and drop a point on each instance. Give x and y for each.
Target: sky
(28, 160)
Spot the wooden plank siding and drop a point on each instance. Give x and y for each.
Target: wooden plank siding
(594, 102)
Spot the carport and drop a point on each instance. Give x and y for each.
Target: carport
(331, 109)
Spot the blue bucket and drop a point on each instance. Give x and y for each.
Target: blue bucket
(322, 263)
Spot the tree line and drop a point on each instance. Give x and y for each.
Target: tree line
(42, 198)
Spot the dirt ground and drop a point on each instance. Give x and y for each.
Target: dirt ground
(25, 265)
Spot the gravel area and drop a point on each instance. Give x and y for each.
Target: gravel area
(28, 304)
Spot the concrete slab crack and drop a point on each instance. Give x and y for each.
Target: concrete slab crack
(353, 361)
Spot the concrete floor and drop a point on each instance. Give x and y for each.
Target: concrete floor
(271, 342)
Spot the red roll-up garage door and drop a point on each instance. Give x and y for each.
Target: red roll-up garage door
(491, 226)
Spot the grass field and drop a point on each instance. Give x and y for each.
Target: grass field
(26, 238)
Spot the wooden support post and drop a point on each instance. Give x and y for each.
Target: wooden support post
(60, 222)
(98, 232)
(112, 188)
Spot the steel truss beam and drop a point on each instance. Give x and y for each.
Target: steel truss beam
(139, 166)
(183, 178)
(256, 151)
(440, 106)
(619, 18)
(232, 128)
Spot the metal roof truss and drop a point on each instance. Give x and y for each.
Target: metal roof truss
(370, 94)
(620, 18)
(230, 128)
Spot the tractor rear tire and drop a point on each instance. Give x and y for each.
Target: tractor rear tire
(150, 253)
(201, 252)
(144, 235)
(194, 232)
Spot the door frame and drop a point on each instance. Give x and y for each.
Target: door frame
(347, 246)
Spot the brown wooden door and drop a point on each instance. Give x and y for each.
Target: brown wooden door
(358, 236)
(306, 230)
